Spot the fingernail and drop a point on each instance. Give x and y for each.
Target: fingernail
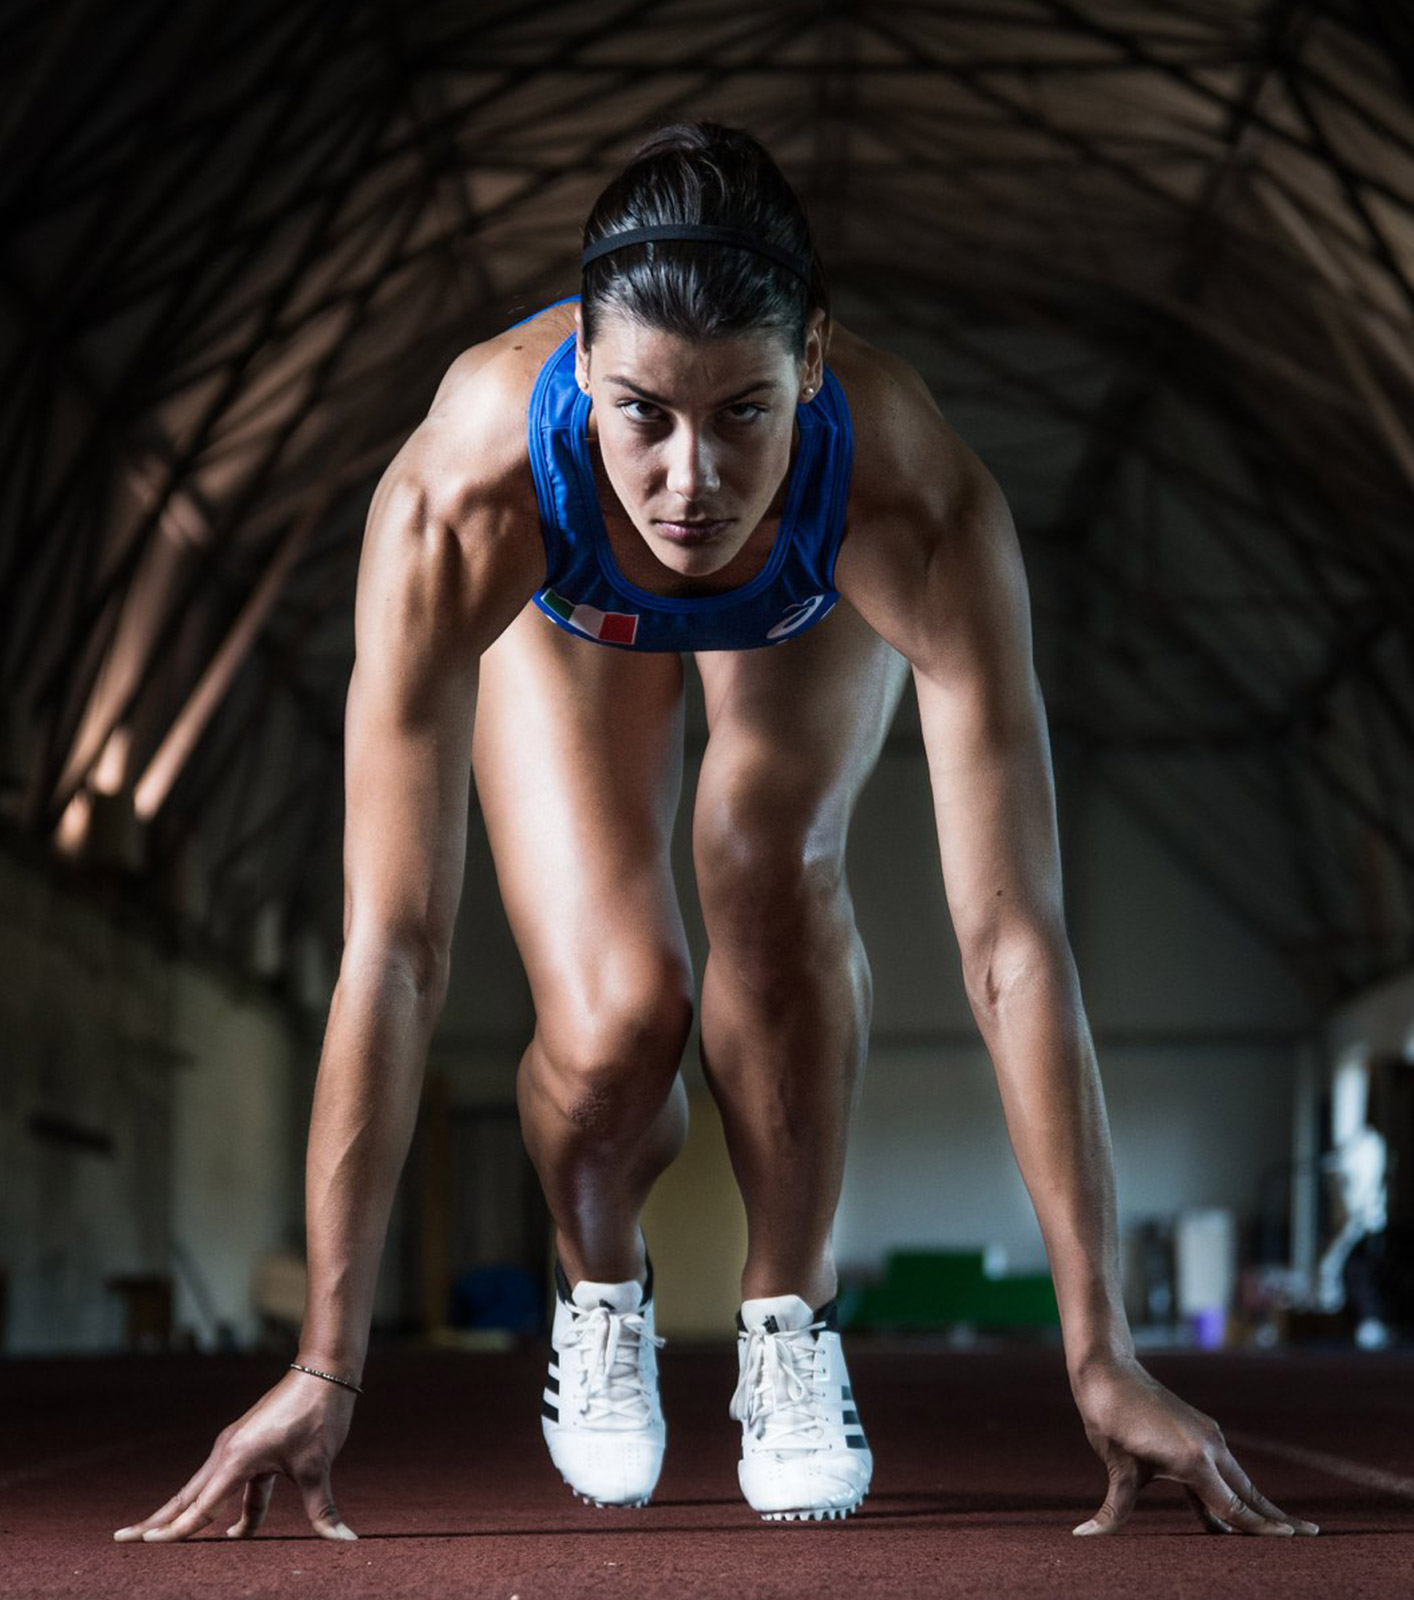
(343, 1531)
(1087, 1527)
(125, 1533)
(152, 1534)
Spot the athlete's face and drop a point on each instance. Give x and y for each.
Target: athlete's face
(696, 436)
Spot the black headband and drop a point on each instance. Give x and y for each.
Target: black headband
(698, 232)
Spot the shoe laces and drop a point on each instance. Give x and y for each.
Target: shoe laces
(610, 1347)
(775, 1396)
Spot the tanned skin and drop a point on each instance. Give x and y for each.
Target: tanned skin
(456, 673)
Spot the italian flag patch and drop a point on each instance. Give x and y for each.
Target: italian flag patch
(613, 627)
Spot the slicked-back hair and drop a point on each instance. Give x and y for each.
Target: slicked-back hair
(702, 172)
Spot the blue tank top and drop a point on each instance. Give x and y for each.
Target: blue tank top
(585, 593)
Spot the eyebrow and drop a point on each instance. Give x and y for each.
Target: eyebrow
(657, 400)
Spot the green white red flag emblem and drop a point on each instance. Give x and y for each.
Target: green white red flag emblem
(612, 627)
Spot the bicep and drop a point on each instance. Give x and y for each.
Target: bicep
(933, 565)
(994, 803)
(408, 731)
(985, 734)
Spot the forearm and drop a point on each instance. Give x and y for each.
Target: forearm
(361, 1125)
(1049, 1080)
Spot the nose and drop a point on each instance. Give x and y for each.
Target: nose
(692, 465)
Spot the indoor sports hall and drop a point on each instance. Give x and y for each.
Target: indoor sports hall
(474, 1068)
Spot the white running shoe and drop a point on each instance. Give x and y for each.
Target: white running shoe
(804, 1456)
(600, 1412)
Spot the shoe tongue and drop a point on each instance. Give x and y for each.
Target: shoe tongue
(787, 1311)
(615, 1296)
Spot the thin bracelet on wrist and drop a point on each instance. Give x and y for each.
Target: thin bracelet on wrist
(330, 1377)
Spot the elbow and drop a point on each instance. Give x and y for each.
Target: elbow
(416, 956)
(999, 966)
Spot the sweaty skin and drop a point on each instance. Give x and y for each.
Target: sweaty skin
(456, 671)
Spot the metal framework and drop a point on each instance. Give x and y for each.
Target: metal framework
(1156, 262)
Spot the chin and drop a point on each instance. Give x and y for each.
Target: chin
(697, 562)
(710, 553)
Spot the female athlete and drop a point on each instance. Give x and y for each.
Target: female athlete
(693, 457)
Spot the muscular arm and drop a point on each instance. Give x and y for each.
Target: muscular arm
(938, 573)
(984, 729)
(968, 638)
(451, 553)
(438, 580)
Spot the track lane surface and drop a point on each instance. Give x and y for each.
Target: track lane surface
(982, 1469)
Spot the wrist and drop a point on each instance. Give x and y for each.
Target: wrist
(1098, 1364)
(1103, 1346)
(328, 1364)
(1094, 1326)
(323, 1343)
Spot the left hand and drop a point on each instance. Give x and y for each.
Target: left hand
(1142, 1431)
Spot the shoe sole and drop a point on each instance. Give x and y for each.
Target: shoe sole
(607, 1505)
(814, 1513)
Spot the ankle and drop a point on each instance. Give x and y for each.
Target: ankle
(602, 1260)
(816, 1287)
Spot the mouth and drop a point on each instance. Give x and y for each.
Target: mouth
(698, 532)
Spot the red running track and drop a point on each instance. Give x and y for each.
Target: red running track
(981, 1471)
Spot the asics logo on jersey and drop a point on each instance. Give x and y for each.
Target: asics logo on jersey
(796, 616)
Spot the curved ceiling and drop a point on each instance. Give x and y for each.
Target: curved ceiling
(1156, 262)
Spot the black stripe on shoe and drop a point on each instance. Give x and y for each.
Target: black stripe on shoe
(552, 1383)
(856, 1441)
(846, 1393)
(547, 1410)
(849, 1419)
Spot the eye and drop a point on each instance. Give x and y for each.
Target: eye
(640, 411)
(746, 411)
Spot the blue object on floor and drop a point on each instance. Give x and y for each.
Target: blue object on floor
(506, 1297)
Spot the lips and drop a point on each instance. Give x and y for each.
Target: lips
(692, 532)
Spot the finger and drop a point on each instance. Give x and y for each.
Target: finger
(161, 1515)
(202, 1511)
(177, 1504)
(1126, 1480)
(1227, 1505)
(1210, 1522)
(253, 1507)
(1231, 1470)
(318, 1496)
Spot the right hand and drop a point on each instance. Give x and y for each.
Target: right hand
(294, 1430)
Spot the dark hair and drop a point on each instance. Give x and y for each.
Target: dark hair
(702, 172)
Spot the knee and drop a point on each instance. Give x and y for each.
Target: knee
(609, 1069)
(771, 879)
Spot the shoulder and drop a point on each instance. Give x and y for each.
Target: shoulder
(471, 449)
(453, 525)
(910, 465)
(466, 468)
(929, 531)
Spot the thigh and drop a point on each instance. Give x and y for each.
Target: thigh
(794, 732)
(577, 755)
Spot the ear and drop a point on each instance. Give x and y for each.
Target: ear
(581, 353)
(812, 364)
